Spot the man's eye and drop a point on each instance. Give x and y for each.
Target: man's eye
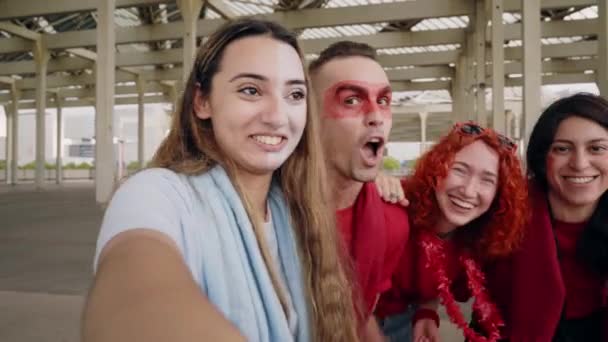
(384, 101)
(353, 100)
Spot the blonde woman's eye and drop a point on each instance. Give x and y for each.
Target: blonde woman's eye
(251, 91)
(297, 95)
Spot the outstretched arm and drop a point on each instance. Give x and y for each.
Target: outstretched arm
(143, 291)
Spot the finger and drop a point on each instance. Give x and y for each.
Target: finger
(399, 190)
(395, 186)
(404, 202)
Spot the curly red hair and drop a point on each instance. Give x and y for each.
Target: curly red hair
(499, 230)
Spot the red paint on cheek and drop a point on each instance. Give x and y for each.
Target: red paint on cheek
(357, 98)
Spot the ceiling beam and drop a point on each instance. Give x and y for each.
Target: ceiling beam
(384, 40)
(419, 86)
(170, 31)
(381, 40)
(222, 8)
(515, 5)
(304, 18)
(397, 75)
(368, 14)
(83, 53)
(65, 81)
(67, 93)
(91, 102)
(419, 58)
(12, 9)
(420, 72)
(555, 79)
(552, 66)
(19, 31)
(550, 29)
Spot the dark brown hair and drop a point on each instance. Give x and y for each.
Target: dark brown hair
(342, 49)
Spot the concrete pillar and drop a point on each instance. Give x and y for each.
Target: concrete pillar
(190, 10)
(531, 64)
(498, 68)
(469, 103)
(480, 62)
(140, 122)
(41, 56)
(455, 101)
(7, 145)
(59, 162)
(423, 126)
(602, 47)
(517, 135)
(173, 97)
(509, 121)
(14, 161)
(459, 98)
(105, 159)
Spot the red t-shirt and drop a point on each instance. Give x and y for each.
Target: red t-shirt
(397, 226)
(414, 281)
(584, 288)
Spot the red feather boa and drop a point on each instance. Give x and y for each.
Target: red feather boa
(486, 311)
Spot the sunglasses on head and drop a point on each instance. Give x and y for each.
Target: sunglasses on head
(471, 128)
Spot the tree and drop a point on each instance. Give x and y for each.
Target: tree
(390, 163)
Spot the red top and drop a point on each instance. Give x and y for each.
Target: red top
(584, 288)
(397, 233)
(532, 285)
(414, 281)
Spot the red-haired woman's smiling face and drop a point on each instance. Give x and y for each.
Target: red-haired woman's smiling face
(469, 188)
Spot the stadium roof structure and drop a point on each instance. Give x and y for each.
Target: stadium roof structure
(438, 54)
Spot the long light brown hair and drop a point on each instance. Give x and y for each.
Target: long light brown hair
(191, 148)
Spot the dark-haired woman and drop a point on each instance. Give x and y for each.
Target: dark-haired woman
(554, 287)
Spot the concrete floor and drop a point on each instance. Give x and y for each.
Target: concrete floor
(47, 241)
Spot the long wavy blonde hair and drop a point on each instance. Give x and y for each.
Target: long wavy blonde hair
(191, 148)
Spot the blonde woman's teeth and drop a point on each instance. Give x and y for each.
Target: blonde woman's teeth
(268, 140)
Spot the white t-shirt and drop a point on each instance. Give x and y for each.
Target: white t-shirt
(163, 201)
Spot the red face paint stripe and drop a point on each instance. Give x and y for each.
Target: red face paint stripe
(364, 97)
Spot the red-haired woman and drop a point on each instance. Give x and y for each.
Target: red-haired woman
(469, 201)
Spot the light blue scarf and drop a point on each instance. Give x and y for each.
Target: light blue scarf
(229, 264)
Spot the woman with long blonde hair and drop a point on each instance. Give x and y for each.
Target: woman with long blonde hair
(229, 236)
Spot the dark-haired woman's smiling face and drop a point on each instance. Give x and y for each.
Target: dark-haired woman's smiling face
(577, 163)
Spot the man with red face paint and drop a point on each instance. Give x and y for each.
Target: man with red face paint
(353, 101)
